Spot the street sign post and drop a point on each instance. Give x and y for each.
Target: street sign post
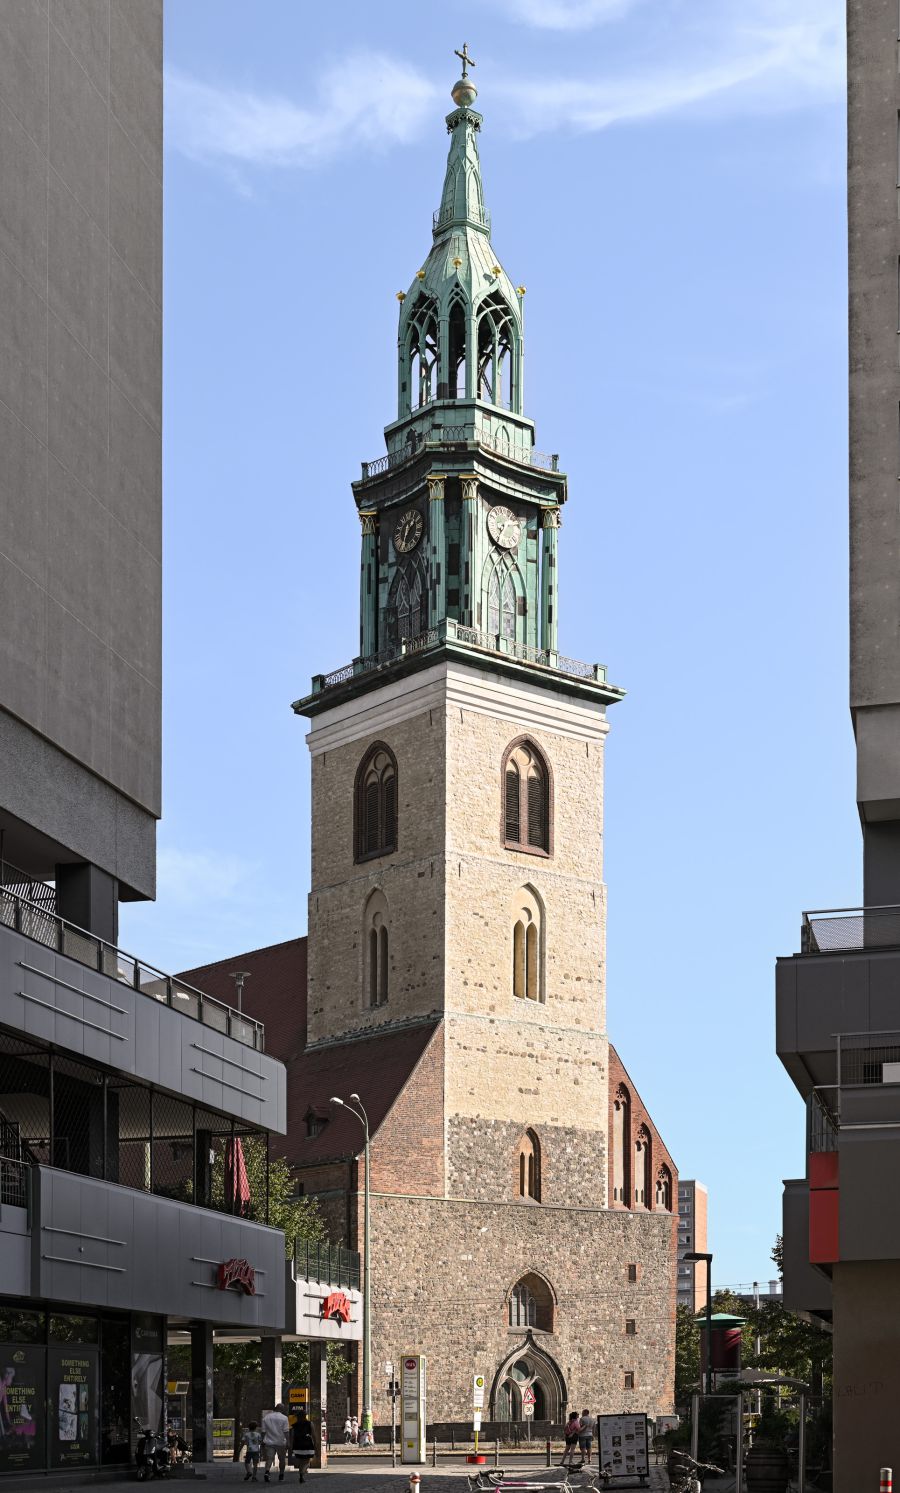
(477, 1405)
(528, 1408)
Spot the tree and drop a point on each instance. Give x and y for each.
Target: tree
(687, 1353)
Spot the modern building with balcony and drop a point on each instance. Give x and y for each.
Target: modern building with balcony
(838, 1012)
(693, 1214)
(135, 1110)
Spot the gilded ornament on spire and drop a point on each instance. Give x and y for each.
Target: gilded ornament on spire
(464, 93)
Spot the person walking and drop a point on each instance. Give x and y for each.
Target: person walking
(586, 1423)
(275, 1430)
(303, 1446)
(354, 1430)
(251, 1441)
(570, 1433)
(348, 1431)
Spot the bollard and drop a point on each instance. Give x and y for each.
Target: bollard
(434, 1452)
(886, 1483)
(414, 1482)
(496, 1451)
(549, 1453)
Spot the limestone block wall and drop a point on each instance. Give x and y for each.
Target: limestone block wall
(458, 1261)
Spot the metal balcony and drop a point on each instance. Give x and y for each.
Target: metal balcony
(843, 930)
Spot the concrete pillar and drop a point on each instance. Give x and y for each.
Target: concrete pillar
(271, 1371)
(368, 585)
(202, 1390)
(468, 555)
(549, 580)
(318, 1401)
(88, 897)
(437, 550)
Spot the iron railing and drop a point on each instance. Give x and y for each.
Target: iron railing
(66, 938)
(843, 930)
(327, 1263)
(822, 1122)
(868, 1058)
(473, 637)
(13, 1182)
(441, 216)
(453, 435)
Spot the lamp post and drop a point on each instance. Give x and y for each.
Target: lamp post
(355, 1107)
(694, 1256)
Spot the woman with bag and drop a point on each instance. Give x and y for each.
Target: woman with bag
(303, 1448)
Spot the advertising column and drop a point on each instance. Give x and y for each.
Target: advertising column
(412, 1401)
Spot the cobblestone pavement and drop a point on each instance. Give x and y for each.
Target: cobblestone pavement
(345, 1475)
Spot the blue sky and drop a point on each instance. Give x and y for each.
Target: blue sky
(667, 178)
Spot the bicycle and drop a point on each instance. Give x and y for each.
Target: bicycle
(501, 1478)
(684, 1479)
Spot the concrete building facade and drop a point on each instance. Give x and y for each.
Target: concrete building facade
(838, 1019)
(693, 1216)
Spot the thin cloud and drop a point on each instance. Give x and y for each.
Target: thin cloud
(368, 100)
(567, 15)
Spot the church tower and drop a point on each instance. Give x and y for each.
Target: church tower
(457, 896)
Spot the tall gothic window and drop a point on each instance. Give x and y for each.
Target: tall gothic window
(642, 1164)
(502, 604)
(664, 1190)
(375, 808)
(376, 950)
(526, 799)
(531, 1303)
(621, 1144)
(529, 1167)
(527, 947)
(407, 604)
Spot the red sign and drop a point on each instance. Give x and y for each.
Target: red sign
(237, 1273)
(336, 1307)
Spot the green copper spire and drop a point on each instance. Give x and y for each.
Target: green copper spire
(460, 333)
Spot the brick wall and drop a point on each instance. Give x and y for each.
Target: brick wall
(639, 1116)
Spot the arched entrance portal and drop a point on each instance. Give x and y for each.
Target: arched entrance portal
(528, 1368)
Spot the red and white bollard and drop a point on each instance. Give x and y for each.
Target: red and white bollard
(886, 1483)
(414, 1482)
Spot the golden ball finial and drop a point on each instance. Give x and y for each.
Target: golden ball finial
(420, 274)
(464, 93)
(401, 296)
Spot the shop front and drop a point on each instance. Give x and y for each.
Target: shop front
(74, 1384)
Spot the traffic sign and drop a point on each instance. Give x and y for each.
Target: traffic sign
(478, 1391)
(528, 1397)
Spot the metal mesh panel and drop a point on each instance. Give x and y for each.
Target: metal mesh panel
(24, 1101)
(852, 928)
(79, 1118)
(821, 1123)
(172, 1164)
(128, 1116)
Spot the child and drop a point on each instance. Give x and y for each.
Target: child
(251, 1439)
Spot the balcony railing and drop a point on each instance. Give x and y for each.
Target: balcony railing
(327, 1263)
(847, 930)
(451, 631)
(453, 435)
(45, 927)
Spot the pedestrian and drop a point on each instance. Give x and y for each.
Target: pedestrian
(571, 1434)
(354, 1430)
(251, 1440)
(275, 1430)
(586, 1435)
(303, 1447)
(348, 1431)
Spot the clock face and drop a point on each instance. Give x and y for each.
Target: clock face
(504, 528)
(408, 531)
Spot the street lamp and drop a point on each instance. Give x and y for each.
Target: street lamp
(355, 1107)
(695, 1256)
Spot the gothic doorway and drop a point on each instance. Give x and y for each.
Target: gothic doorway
(528, 1368)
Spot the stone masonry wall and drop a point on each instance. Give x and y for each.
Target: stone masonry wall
(443, 1270)
(485, 1162)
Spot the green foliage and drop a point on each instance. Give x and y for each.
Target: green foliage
(687, 1353)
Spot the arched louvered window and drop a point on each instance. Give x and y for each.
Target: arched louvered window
(527, 947)
(527, 812)
(375, 816)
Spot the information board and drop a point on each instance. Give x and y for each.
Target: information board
(72, 1396)
(622, 1445)
(223, 1436)
(412, 1407)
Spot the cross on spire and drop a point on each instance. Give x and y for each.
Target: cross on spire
(465, 59)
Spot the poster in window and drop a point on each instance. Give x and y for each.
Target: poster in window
(21, 1408)
(73, 1407)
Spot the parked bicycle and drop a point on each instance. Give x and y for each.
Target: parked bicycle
(504, 1479)
(686, 1475)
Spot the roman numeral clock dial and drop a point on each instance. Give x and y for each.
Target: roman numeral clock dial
(408, 531)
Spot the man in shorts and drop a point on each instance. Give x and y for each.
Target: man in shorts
(586, 1435)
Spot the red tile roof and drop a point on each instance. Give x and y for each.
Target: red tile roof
(376, 1067)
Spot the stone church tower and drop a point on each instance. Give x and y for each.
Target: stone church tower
(457, 912)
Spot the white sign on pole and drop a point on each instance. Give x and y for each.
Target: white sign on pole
(528, 1403)
(412, 1404)
(478, 1391)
